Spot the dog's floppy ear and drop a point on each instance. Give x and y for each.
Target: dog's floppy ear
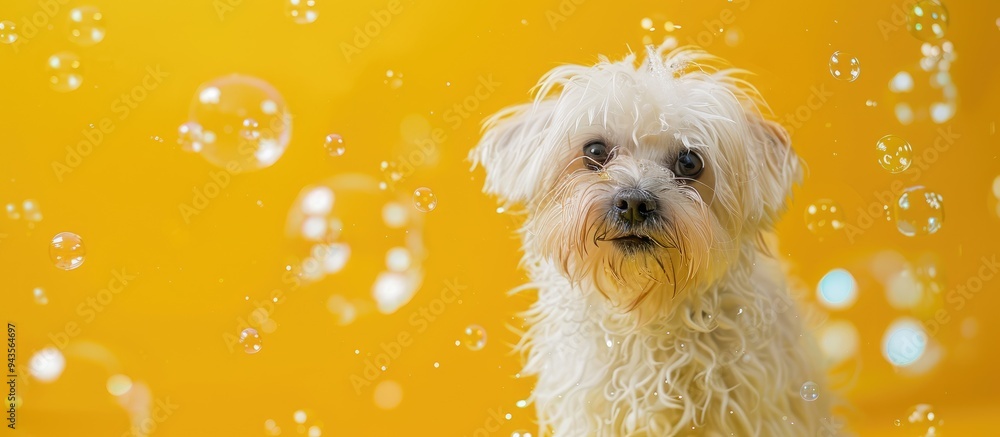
(778, 167)
(513, 153)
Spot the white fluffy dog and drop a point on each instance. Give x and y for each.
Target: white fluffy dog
(647, 191)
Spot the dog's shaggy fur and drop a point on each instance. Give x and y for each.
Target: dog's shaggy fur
(680, 324)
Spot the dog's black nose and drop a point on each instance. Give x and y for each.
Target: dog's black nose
(634, 206)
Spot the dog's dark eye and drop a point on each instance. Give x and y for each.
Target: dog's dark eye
(689, 164)
(595, 155)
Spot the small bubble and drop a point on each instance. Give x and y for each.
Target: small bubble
(67, 251)
(919, 211)
(809, 391)
(646, 23)
(302, 11)
(64, 72)
(424, 199)
(86, 26)
(927, 20)
(299, 416)
(824, 217)
(894, 153)
(40, 297)
(250, 340)
(334, 145)
(521, 403)
(8, 32)
(844, 66)
(520, 433)
(437, 364)
(118, 385)
(315, 431)
(388, 395)
(474, 337)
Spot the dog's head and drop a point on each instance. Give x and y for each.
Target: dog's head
(640, 180)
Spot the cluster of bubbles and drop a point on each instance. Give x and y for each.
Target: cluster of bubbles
(67, 251)
(324, 216)
(64, 69)
(921, 420)
(304, 422)
(39, 295)
(237, 122)
(28, 210)
(926, 91)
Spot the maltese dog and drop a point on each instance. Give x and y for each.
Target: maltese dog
(647, 192)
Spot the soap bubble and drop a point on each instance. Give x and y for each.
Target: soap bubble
(8, 32)
(927, 20)
(824, 217)
(250, 340)
(919, 211)
(925, 91)
(302, 11)
(388, 395)
(904, 342)
(474, 337)
(40, 297)
(64, 72)
(67, 251)
(334, 145)
(837, 289)
(47, 364)
(844, 66)
(809, 391)
(242, 123)
(118, 385)
(894, 153)
(424, 199)
(86, 26)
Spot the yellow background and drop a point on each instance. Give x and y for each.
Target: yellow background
(167, 328)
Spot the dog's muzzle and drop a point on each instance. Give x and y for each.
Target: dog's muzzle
(633, 206)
